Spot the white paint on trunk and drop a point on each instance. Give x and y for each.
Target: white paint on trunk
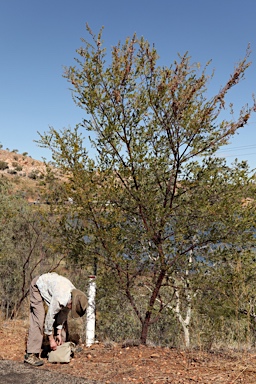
(90, 324)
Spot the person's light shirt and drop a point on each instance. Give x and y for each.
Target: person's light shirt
(56, 292)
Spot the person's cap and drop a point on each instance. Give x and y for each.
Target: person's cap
(79, 303)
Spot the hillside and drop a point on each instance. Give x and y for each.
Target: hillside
(25, 175)
(23, 162)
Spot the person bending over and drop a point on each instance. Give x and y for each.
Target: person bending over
(61, 296)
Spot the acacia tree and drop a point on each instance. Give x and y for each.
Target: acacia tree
(154, 186)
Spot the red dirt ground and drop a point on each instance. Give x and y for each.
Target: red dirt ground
(113, 363)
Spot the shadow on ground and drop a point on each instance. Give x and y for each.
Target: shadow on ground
(12, 372)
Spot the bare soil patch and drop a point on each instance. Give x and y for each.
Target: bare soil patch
(113, 363)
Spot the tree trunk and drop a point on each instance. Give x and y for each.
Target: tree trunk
(145, 327)
(146, 323)
(186, 334)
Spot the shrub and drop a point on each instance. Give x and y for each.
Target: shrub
(41, 183)
(12, 171)
(16, 166)
(3, 165)
(33, 174)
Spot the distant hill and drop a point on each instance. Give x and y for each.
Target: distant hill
(26, 175)
(19, 164)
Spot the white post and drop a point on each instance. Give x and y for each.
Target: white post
(90, 312)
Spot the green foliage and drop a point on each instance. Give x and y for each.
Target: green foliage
(26, 248)
(3, 165)
(155, 192)
(33, 174)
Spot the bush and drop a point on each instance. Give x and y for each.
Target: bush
(33, 174)
(41, 183)
(16, 166)
(12, 171)
(3, 165)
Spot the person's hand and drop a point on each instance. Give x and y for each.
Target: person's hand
(58, 339)
(53, 344)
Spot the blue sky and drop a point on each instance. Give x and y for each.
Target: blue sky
(38, 38)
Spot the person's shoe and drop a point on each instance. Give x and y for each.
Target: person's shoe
(32, 359)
